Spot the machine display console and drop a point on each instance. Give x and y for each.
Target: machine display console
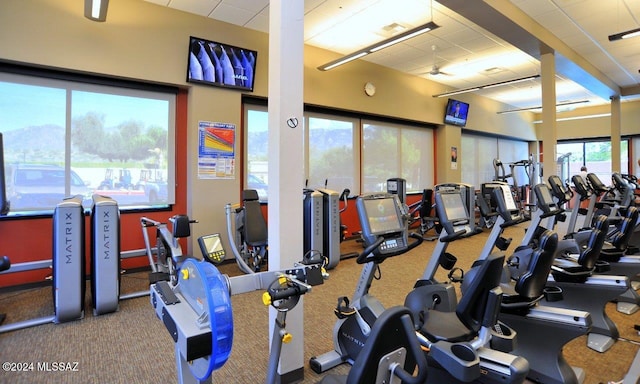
(381, 216)
(451, 210)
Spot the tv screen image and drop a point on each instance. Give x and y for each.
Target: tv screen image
(221, 65)
(456, 113)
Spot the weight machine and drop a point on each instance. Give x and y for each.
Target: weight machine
(524, 196)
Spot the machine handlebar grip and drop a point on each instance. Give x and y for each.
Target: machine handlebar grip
(362, 257)
(286, 293)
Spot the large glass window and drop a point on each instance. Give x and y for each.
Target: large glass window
(479, 152)
(64, 138)
(595, 155)
(257, 150)
(332, 158)
(345, 152)
(391, 150)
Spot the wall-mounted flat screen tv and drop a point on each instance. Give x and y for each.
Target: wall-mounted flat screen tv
(221, 65)
(456, 113)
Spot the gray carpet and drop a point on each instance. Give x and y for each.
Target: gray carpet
(133, 346)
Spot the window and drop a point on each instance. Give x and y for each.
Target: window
(479, 152)
(70, 137)
(393, 150)
(257, 150)
(345, 152)
(596, 156)
(332, 158)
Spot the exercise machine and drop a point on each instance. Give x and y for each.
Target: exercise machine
(195, 306)
(612, 259)
(247, 232)
(68, 263)
(419, 211)
(344, 197)
(573, 272)
(323, 217)
(525, 299)
(474, 318)
(391, 343)
(385, 235)
(628, 302)
(105, 255)
(168, 253)
(523, 193)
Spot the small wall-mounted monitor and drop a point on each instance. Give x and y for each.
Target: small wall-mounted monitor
(221, 65)
(456, 113)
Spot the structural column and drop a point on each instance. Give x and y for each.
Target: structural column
(286, 173)
(548, 131)
(615, 134)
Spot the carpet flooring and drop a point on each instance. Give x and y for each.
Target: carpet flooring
(133, 346)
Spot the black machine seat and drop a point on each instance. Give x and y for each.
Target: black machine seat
(528, 289)
(475, 309)
(578, 270)
(390, 332)
(255, 227)
(618, 243)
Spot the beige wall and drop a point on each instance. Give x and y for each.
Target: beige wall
(598, 126)
(147, 42)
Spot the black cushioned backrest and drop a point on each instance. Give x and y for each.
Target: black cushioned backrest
(255, 226)
(596, 183)
(391, 331)
(532, 281)
(589, 255)
(581, 187)
(559, 189)
(427, 202)
(625, 229)
(484, 278)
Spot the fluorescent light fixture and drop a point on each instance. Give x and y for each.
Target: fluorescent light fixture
(625, 35)
(459, 91)
(344, 60)
(430, 26)
(96, 10)
(540, 107)
(487, 86)
(577, 117)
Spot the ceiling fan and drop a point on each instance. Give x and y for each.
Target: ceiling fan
(435, 69)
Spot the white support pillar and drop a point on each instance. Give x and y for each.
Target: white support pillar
(286, 173)
(549, 130)
(615, 134)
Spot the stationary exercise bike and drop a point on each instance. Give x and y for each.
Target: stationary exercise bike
(385, 234)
